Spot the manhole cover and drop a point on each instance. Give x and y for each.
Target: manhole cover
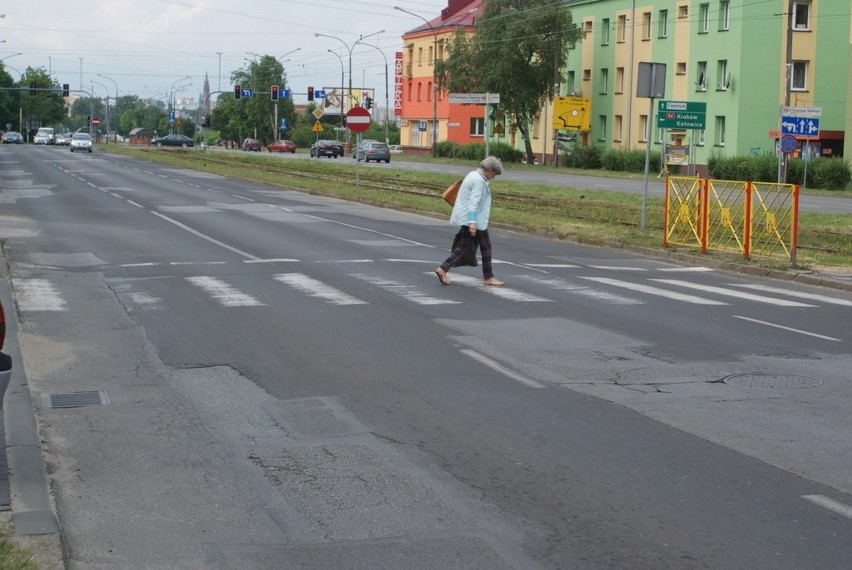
(77, 399)
(775, 381)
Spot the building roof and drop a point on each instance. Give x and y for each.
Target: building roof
(457, 14)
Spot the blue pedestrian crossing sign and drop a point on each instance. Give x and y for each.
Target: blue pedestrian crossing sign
(800, 127)
(320, 94)
(283, 123)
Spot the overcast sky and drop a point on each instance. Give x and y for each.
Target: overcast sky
(145, 47)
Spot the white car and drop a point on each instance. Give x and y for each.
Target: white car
(81, 141)
(42, 138)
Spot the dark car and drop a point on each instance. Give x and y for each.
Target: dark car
(331, 149)
(251, 144)
(182, 141)
(13, 137)
(377, 151)
(282, 146)
(5, 359)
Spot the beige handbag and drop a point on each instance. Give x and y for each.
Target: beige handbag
(451, 192)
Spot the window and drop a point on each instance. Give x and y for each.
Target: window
(643, 125)
(680, 68)
(410, 90)
(604, 87)
(429, 91)
(722, 74)
(663, 24)
(477, 126)
(699, 137)
(419, 91)
(621, 29)
(724, 15)
(605, 32)
(646, 26)
(587, 75)
(799, 76)
(801, 14)
(419, 56)
(720, 130)
(618, 127)
(587, 27)
(619, 80)
(602, 125)
(701, 80)
(703, 18)
(683, 11)
(570, 82)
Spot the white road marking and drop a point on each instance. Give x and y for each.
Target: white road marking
(223, 292)
(279, 260)
(782, 327)
(553, 265)
(203, 236)
(830, 504)
(583, 291)
(407, 292)
(145, 299)
(616, 268)
(655, 291)
(38, 295)
(318, 289)
(501, 369)
(684, 269)
(732, 293)
(798, 294)
(503, 292)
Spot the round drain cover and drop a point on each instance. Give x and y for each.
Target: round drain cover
(776, 381)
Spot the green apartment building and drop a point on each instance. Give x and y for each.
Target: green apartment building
(743, 59)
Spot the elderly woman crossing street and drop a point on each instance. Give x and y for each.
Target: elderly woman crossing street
(471, 211)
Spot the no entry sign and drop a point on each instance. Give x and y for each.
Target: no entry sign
(358, 119)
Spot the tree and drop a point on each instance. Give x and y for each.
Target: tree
(9, 100)
(42, 105)
(516, 50)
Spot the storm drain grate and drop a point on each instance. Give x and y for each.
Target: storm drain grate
(775, 381)
(78, 399)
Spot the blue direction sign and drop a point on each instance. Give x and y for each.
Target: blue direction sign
(802, 127)
(246, 93)
(285, 93)
(319, 94)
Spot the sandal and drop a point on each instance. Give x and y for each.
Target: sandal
(442, 276)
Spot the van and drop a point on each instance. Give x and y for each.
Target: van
(43, 136)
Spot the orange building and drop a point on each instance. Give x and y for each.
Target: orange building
(425, 116)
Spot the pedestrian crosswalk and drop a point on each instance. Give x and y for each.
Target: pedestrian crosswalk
(558, 284)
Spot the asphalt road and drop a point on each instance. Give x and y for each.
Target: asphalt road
(287, 381)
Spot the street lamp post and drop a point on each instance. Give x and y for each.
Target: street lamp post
(349, 49)
(171, 99)
(434, 79)
(342, 86)
(106, 89)
(387, 98)
(116, 101)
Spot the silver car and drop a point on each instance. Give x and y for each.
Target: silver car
(81, 141)
(377, 151)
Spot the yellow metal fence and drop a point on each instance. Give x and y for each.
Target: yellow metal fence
(753, 218)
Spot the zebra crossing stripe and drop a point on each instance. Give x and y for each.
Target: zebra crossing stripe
(223, 292)
(407, 292)
(503, 292)
(314, 288)
(797, 294)
(674, 295)
(38, 295)
(731, 293)
(583, 291)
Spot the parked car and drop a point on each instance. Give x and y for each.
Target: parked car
(282, 146)
(251, 144)
(13, 137)
(5, 359)
(331, 149)
(81, 141)
(377, 151)
(182, 141)
(395, 149)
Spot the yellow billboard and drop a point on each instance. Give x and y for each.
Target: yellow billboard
(572, 113)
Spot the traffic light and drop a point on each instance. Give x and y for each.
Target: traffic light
(310, 93)
(274, 92)
(238, 91)
(32, 88)
(368, 103)
(205, 121)
(66, 90)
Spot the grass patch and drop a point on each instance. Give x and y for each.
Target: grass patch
(12, 555)
(596, 217)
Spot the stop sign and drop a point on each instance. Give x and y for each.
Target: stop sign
(358, 119)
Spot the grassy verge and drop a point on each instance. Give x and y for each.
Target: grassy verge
(13, 556)
(595, 217)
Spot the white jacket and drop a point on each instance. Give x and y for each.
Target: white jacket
(473, 203)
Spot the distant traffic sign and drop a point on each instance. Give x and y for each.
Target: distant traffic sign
(802, 127)
(789, 144)
(358, 119)
(319, 94)
(475, 98)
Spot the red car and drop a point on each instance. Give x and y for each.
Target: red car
(282, 146)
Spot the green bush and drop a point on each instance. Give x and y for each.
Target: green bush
(829, 174)
(585, 157)
(823, 173)
(476, 151)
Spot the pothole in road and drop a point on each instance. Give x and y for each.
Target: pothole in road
(773, 381)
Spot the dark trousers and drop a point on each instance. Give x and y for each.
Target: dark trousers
(468, 242)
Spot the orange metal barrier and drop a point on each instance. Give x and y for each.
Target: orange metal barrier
(754, 218)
